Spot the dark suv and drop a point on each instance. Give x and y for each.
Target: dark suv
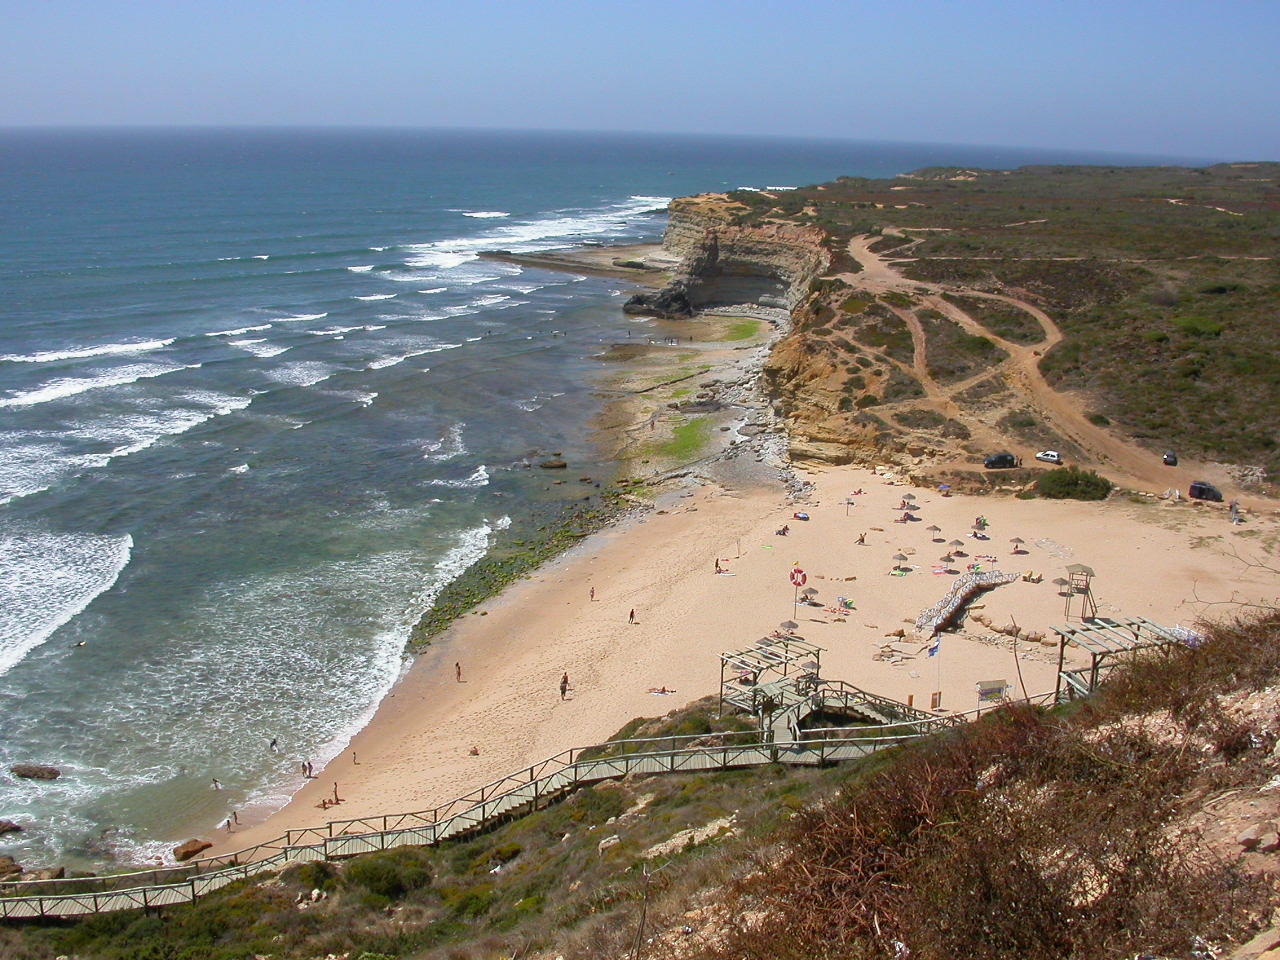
(1000, 461)
(1170, 458)
(1199, 490)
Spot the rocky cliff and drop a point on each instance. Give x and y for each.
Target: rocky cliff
(724, 262)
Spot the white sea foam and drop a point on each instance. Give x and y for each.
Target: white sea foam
(536, 234)
(238, 331)
(384, 362)
(46, 579)
(447, 447)
(537, 400)
(472, 546)
(780, 188)
(479, 477)
(364, 269)
(70, 387)
(81, 353)
(488, 214)
(301, 317)
(434, 290)
(32, 462)
(333, 331)
(257, 348)
(376, 296)
(243, 468)
(262, 256)
(303, 373)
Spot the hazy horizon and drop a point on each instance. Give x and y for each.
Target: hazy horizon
(1192, 80)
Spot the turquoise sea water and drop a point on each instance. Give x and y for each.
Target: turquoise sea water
(259, 402)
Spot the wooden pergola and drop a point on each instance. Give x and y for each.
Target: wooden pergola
(747, 675)
(1108, 643)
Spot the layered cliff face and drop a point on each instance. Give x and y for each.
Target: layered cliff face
(725, 263)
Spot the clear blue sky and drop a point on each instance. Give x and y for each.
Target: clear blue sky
(1175, 77)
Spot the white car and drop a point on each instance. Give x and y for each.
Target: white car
(1050, 456)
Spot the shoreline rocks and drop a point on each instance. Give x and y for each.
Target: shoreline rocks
(35, 771)
(185, 851)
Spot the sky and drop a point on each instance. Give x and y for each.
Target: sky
(1175, 77)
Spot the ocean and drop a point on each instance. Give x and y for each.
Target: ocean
(260, 401)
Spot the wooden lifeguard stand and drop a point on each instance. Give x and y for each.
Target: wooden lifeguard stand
(1080, 584)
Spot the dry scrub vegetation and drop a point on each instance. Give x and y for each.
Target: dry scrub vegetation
(1031, 834)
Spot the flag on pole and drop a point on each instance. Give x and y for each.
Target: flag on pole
(934, 644)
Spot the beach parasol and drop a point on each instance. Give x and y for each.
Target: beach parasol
(900, 559)
(935, 529)
(944, 486)
(957, 547)
(1017, 544)
(1062, 583)
(789, 625)
(908, 496)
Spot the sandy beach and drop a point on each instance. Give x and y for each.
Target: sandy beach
(1169, 562)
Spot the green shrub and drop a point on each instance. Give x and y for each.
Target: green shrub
(1199, 326)
(1099, 419)
(390, 874)
(1072, 483)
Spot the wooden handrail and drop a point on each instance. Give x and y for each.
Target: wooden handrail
(67, 897)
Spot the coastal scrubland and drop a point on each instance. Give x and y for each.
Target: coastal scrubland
(1161, 285)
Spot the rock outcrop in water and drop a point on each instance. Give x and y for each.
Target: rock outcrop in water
(35, 771)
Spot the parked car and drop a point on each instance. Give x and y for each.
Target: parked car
(1199, 490)
(1170, 458)
(1050, 456)
(1000, 461)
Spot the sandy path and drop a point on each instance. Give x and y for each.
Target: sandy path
(415, 752)
(1119, 459)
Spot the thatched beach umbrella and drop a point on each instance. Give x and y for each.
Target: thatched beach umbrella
(935, 530)
(1062, 583)
(789, 625)
(1017, 544)
(908, 496)
(957, 547)
(899, 558)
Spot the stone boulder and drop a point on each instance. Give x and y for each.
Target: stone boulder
(671, 302)
(1251, 837)
(186, 851)
(553, 465)
(8, 826)
(10, 869)
(48, 873)
(35, 771)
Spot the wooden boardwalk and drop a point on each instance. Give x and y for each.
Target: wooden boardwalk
(511, 796)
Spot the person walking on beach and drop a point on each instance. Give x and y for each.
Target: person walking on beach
(457, 672)
(717, 564)
(564, 685)
(593, 593)
(632, 617)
